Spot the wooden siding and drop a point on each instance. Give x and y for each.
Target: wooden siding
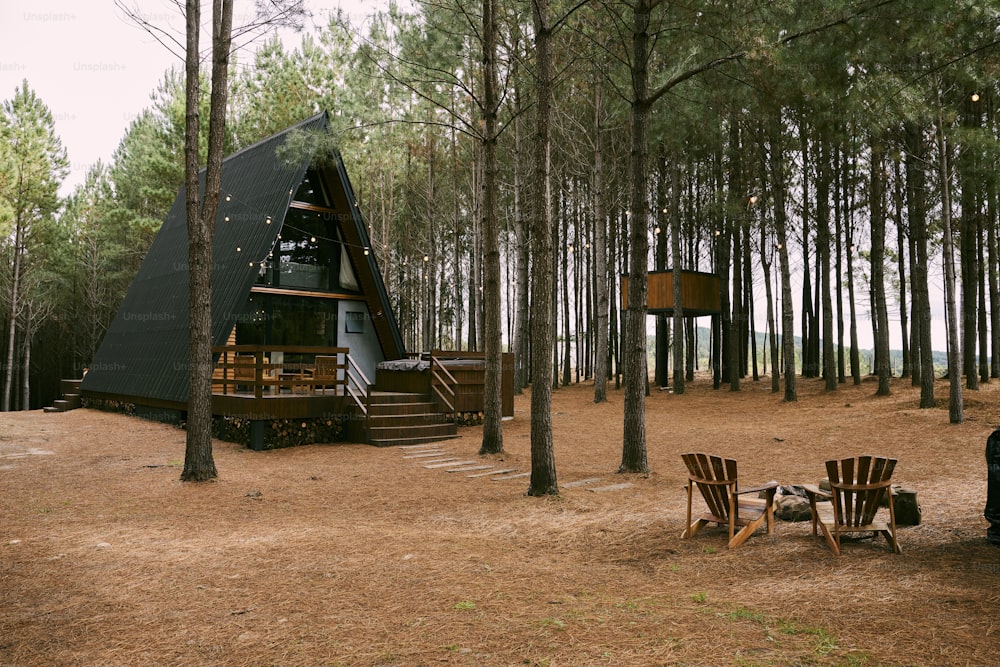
(700, 292)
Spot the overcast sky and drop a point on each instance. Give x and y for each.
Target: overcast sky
(95, 69)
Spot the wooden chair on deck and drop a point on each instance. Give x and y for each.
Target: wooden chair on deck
(858, 487)
(326, 373)
(245, 372)
(717, 481)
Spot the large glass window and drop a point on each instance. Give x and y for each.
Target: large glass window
(276, 319)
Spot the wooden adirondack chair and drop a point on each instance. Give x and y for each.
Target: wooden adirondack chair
(858, 487)
(717, 481)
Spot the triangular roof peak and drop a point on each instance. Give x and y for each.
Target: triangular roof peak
(144, 353)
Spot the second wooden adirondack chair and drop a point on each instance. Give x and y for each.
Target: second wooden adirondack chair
(858, 487)
(740, 510)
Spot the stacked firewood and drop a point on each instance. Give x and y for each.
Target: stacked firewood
(280, 432)
(471, 418)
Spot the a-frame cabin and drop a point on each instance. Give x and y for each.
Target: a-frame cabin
(300, 313)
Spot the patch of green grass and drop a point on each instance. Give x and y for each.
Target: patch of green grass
(465, 605)
(825, 642)
(699, 597)
(556, 623)
(744, 614)
(708, 550)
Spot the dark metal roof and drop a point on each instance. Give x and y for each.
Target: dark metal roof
(144, 353)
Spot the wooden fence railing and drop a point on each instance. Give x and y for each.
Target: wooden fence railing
(271, 370)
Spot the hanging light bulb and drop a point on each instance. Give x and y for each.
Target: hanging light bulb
(975, 97)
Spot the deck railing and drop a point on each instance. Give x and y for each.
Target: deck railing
(274, 370)
(443, 383)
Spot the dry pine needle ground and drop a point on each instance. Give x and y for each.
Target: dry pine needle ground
(351, 555)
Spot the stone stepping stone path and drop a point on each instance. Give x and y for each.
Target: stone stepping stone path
(582, 482)
(453, 463)
(612, 487)
(433, 457)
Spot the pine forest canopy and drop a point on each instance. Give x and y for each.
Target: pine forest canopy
(810, 154)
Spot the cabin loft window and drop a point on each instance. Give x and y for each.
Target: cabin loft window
(309, 253)
(311, 191)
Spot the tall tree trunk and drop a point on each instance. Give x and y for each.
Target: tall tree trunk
(877, 208)
(199, 464)
(787, 313)
(15, 307)
(956, 409)
(430, 302)
(663, 232)
(543, 463)
(765, 251)
(823, 257)
(810, 367)
(901, 246)
(26, 361)
(838, 213)
(567, 321)
(917, 215)
(601, 250)
(555, 291)
(634, 344)
(984, 347)
(969, 251)
(675, 260)
(493, 386)
(993, 259)
(520, 347)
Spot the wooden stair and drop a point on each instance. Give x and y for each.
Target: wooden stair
(400, 418)
(70, 390)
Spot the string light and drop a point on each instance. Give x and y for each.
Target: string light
(975, 97)
(229, 198)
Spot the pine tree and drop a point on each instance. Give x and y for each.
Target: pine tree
(34, 165)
